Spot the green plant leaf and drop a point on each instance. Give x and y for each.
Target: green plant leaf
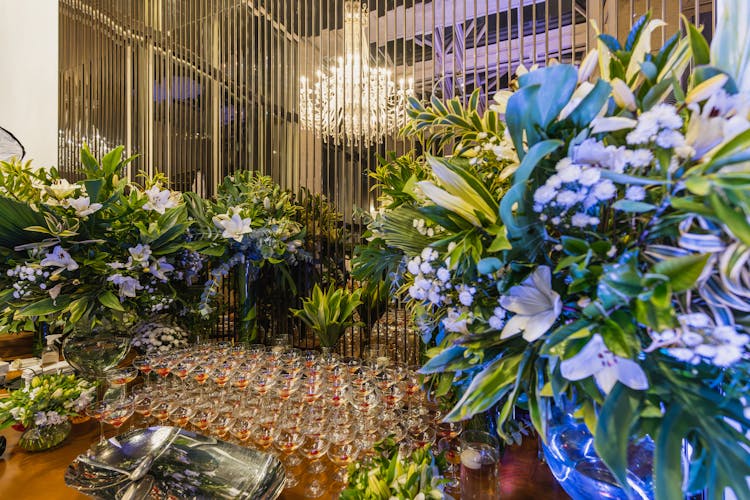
(698, 44)
(109, 299)
(613, 430)
(683, 272)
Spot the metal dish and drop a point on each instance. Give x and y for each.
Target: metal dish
(182, 465)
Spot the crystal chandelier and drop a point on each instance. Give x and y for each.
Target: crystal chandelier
(352, 102)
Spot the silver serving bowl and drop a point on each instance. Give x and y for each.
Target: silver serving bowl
(162, 462)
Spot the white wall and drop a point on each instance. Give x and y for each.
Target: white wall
(28, 75)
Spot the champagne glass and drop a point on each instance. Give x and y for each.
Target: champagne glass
(288, 441)
(120, 410)
(122, 376)
(314, 447)
(98, 410)
(202, 418)
(160, 410)
(242, 429)
(181, 413)
(143, 403)
(221, 425)
(264, 435)
(343, 454)
(143, 364)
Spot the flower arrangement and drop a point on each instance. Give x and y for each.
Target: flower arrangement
(390, 475)
(158, 335)
(251, 224)
(102, 245)
(593, 248)
(329, 314)
(47, 400)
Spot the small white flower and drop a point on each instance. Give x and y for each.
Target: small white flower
(604, 190)
(413, 266)
(443, 274)
(640, 158)
(235, 227)
(608, 369)
(59, 258)
(140, 254)
(635, 193)
(160, 267)
(544, 194)
(429, 254)
(536, 305)
(83, 206)
(589, 177)
(567, 198)
(128, 285)
(583, 220)
(160, 200)
(426, 268)
(569, 173)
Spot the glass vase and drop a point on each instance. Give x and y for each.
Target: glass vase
(40, 438)
(575, 464)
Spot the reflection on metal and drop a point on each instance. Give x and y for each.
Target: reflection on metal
(199, 89)
(179, 464)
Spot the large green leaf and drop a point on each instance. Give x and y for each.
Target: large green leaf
(109, 299)
(613, 430)
(14, 218)
(487, 387)
(668, 454)
(683, 272)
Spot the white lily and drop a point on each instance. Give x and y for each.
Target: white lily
(611, 124)
(140, 254)
(160, 267)
(160, 200)
(588, 66)
(83, 206)
(61, 189)
(128, 285)
(622, 94)
(608, 369)
(706, 89)
(536, 305)
(235, 227)
(59, 258)
(500, 101)
(446, 200)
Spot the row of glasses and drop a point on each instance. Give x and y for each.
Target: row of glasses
(288, 401)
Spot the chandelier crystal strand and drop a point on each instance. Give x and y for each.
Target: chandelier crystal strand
(352, 102)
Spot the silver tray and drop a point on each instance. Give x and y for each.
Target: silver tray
(174, 463)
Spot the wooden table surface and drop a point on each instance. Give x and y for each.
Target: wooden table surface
(40, 475)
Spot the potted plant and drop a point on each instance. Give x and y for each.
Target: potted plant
(328, 314)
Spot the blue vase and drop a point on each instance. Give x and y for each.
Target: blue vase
(583, 475)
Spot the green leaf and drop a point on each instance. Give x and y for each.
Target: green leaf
(683, 272)
(590, 106)
(698, 44)
(668, 454)
(44, 307)
(487, 387)
(613, 430)
(735, 220)
(633, 206)
(109, 299)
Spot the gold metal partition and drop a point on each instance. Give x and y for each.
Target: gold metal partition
(200, 88)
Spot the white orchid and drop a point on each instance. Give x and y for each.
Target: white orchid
(235, 227)
(160, 267)
(160, 200)
(140, 254)
(60, 259)
(83, 206)
(536, 305)
(128, 285)
(607, 368)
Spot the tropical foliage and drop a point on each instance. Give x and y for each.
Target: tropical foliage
(593, 246)
(101, 246)
(391, 475)
(328, 314)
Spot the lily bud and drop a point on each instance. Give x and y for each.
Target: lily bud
(588, 65)
(706, 89)
(624, 97)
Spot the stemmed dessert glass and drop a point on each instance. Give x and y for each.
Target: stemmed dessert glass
(119, 410)
(313, 448)
(98, 410)
(143, 364)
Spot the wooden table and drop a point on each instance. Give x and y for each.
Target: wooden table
(40, 475)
